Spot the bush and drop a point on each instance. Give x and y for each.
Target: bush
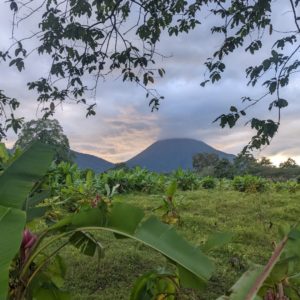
(208, 182)
(289, 186)
(292, 186)
(134, 180)
(224, 184)
(279, 186)
(186, 180)
(249, 184)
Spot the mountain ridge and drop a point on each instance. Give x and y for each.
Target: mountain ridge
(167, 155)
(88, 161)
(163, 156)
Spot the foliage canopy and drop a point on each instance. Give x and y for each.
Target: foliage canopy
(48, 132)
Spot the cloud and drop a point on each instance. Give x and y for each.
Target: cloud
(124, 124)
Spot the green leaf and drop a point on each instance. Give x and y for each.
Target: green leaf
(154, 285)
(129, 221)
(164, 239)
(35, 213)
(12, 222)
(295, 279)
(171, 189)
(49, 283)
(51, 293)
(216, 240)
(89, 178)
(15, 185)
(126, 220)
(85, 218)
(56, 271)
(4, 157)
(86, 243)
(284, 229)
(241, 288)
(37, 198)
(17, 181)
(140, 288)
(294, 234)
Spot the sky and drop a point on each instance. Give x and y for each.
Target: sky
(124, 124)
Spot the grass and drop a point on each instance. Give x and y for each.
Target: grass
(252, 218)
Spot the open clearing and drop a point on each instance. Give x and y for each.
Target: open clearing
(254, 220)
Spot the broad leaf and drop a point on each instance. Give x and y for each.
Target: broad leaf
(36, 212)
(17, 181)
(171, 189)
(4, 156)
(86, 243)
(154, 285)
(12, 222)
(194, 267)
(240, 289)
(37, 198)
(15, 185)
(216, 240)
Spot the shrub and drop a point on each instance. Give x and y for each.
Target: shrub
(249, 184)
(208, 182)
(224, 184)
(292, 186)
(134, 180)
(279, 186)
(186, 180)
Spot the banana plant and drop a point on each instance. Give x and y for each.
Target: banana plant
(124, 221)
(16, 183)
(159, 284)
(171, 214)
(279, 279)
(25, 268)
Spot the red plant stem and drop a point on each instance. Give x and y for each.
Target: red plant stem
(267, 270)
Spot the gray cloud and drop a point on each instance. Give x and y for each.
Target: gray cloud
(124, 124)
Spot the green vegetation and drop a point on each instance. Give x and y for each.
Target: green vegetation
(48, 132)
(63, 208)
(253, 219)
(31, 266)
(207, 164)
(67, 213)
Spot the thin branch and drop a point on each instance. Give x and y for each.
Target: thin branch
(295, 15)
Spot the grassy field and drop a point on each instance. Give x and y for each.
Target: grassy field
(252, 218)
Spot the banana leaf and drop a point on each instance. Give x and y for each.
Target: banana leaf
(195, 268)
(15, 185)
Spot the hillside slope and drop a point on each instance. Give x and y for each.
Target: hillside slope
(87, 161)
(171, 154)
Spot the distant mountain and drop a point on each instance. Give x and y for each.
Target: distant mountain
(87, 161)
(170, 154)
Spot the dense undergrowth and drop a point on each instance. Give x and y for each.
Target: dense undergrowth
(66, 175)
